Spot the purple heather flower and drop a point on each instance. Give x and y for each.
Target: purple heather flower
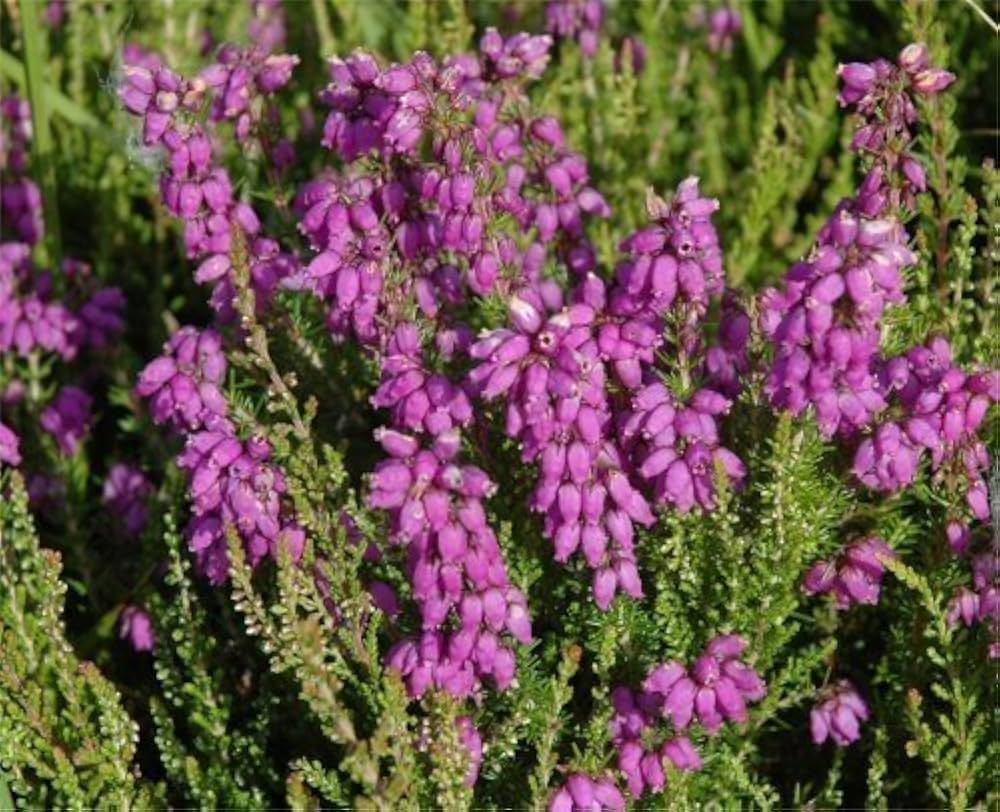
(473, 742)
(233, 485)
(718, 688)
(549, 369)
(125, 493)
(20, 198)
(193, 187)
(102, 317)
(882, 93)
(183, 384)
(10, 452)
(384, 597)
(678, 257)
(959, 536)
(724, 25)
(435, 506)
(676, 446)
(839, 715)
(240, 79)
(136, 626)
(267, 25)
(855, 577)
(29, 319)
(964, 607)
(55, 13)
(67, 418)
(582, 19)
(824, 323)
(941, 410)
(981, 603)
(581, 792)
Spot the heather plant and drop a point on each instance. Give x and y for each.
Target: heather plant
(567, 405)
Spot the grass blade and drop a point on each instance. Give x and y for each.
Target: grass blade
(43, 153)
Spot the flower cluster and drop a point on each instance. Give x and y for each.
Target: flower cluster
(717, 688)
(550, 370)
(676, 446)
(981, 604)
(267, 27)
(20, 199)
(883, 95)
(557, 366)
(838, 715)
(30, 318)
(67, 418)
(194, 188)
(232, 483)
(125, 493)
(939, 410)
(825, 321)
(583, 792)
(183, 384)
(421, 229)
(241, 80)
(435, 504)
(673, 264)
(855, 577)
(582, 19)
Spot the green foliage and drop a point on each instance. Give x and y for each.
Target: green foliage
(271, 691)
(65, 740)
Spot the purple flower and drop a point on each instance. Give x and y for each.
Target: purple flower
(724, 25)
(125, 493)
(20, 198)
(232, 484)
(825, 325)
(718, 688)
(102, 317)
(241, 79)
(882, 93)
(676, 446)
(136, 626)
(29, 319)
(964, 607)
(550, 371)
(582, 19)
(183, 384)
(267, 25)
(10, 452)
(855, 577)
(435, 506)
(940, 410)
(193, 187)
(473, 743)
(839, 715)
(581, 792)
(67, 418)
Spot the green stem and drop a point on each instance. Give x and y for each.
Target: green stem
(6, 800)
(12, 70)
(42, 146)
(324, 32)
